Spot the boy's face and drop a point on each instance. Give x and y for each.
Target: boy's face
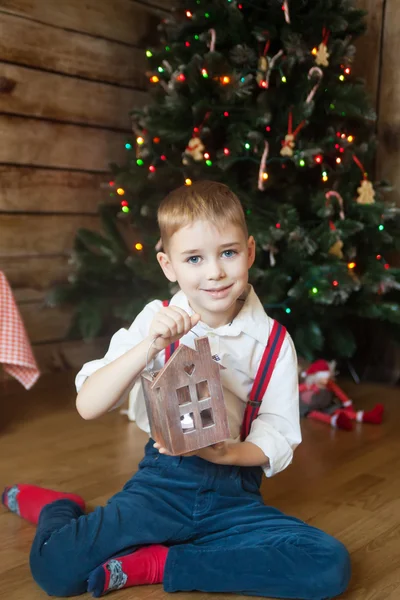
(211, 266)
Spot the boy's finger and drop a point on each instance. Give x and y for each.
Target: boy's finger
(184, 315)
(195, 319)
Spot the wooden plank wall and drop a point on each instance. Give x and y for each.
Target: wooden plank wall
(70, 72)
(376, 62)
(389, 100)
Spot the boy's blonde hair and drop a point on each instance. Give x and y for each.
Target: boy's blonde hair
(203, 200)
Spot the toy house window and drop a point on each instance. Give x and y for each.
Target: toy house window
(202, 389)
(207, 418)
(183, 394)
(187, 423)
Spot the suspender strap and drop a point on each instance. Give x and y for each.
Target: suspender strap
(263, 377)
(169, 350)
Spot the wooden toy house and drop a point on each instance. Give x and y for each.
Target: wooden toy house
(185, 402)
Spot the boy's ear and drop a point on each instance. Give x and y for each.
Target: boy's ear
(166, 266)
(251, 251)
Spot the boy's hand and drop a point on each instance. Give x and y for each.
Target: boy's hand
(169, 325)
(216, 453)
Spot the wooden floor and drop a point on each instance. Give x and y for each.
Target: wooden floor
(345, 483)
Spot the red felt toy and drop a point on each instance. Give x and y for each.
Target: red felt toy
(323, 400)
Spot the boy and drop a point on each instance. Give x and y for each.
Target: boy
(196, 522)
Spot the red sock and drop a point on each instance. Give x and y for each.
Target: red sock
(28, 500)
(143, 567)
(363, 416)
(344, 422)
(375, 415)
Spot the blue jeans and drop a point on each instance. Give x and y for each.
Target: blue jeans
(222, 537)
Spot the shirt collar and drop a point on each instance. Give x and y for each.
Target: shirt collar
(251, 320)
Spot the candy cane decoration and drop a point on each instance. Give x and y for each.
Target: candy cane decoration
(313, 71)
(213, 39)
(271, 66)
(286, 10)
(263, 163)
(339, 198)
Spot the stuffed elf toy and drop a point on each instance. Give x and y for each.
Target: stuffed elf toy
(323, 400)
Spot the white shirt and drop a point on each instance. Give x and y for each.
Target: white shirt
(240, 346)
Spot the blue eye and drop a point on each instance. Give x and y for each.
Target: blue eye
(193, 260)
(230, 252)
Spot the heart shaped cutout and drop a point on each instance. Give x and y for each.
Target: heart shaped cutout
(189, 369)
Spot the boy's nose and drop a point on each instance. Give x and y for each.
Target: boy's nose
(216, 271)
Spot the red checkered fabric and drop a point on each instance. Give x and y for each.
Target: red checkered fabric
(15, 350)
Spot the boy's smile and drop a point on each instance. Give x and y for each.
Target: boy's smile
(211, 266)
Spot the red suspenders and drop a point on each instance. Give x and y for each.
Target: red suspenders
(263, 377)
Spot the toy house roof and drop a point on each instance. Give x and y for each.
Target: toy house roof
(190, 354)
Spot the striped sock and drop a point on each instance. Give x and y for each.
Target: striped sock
(28, 500)
(142, 567)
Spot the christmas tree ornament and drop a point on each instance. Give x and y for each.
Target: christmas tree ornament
(194, 149)
(336, 248)
(262, 174)
(288, 144)
(366, 192)
(262, 69)
(213, 40)
(285, 8)
(321, 53)
(314, 72)
(265, 67)
(334, 194)
(322, 56)
(272, 250)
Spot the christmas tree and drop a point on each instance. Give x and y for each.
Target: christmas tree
(259, 95)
